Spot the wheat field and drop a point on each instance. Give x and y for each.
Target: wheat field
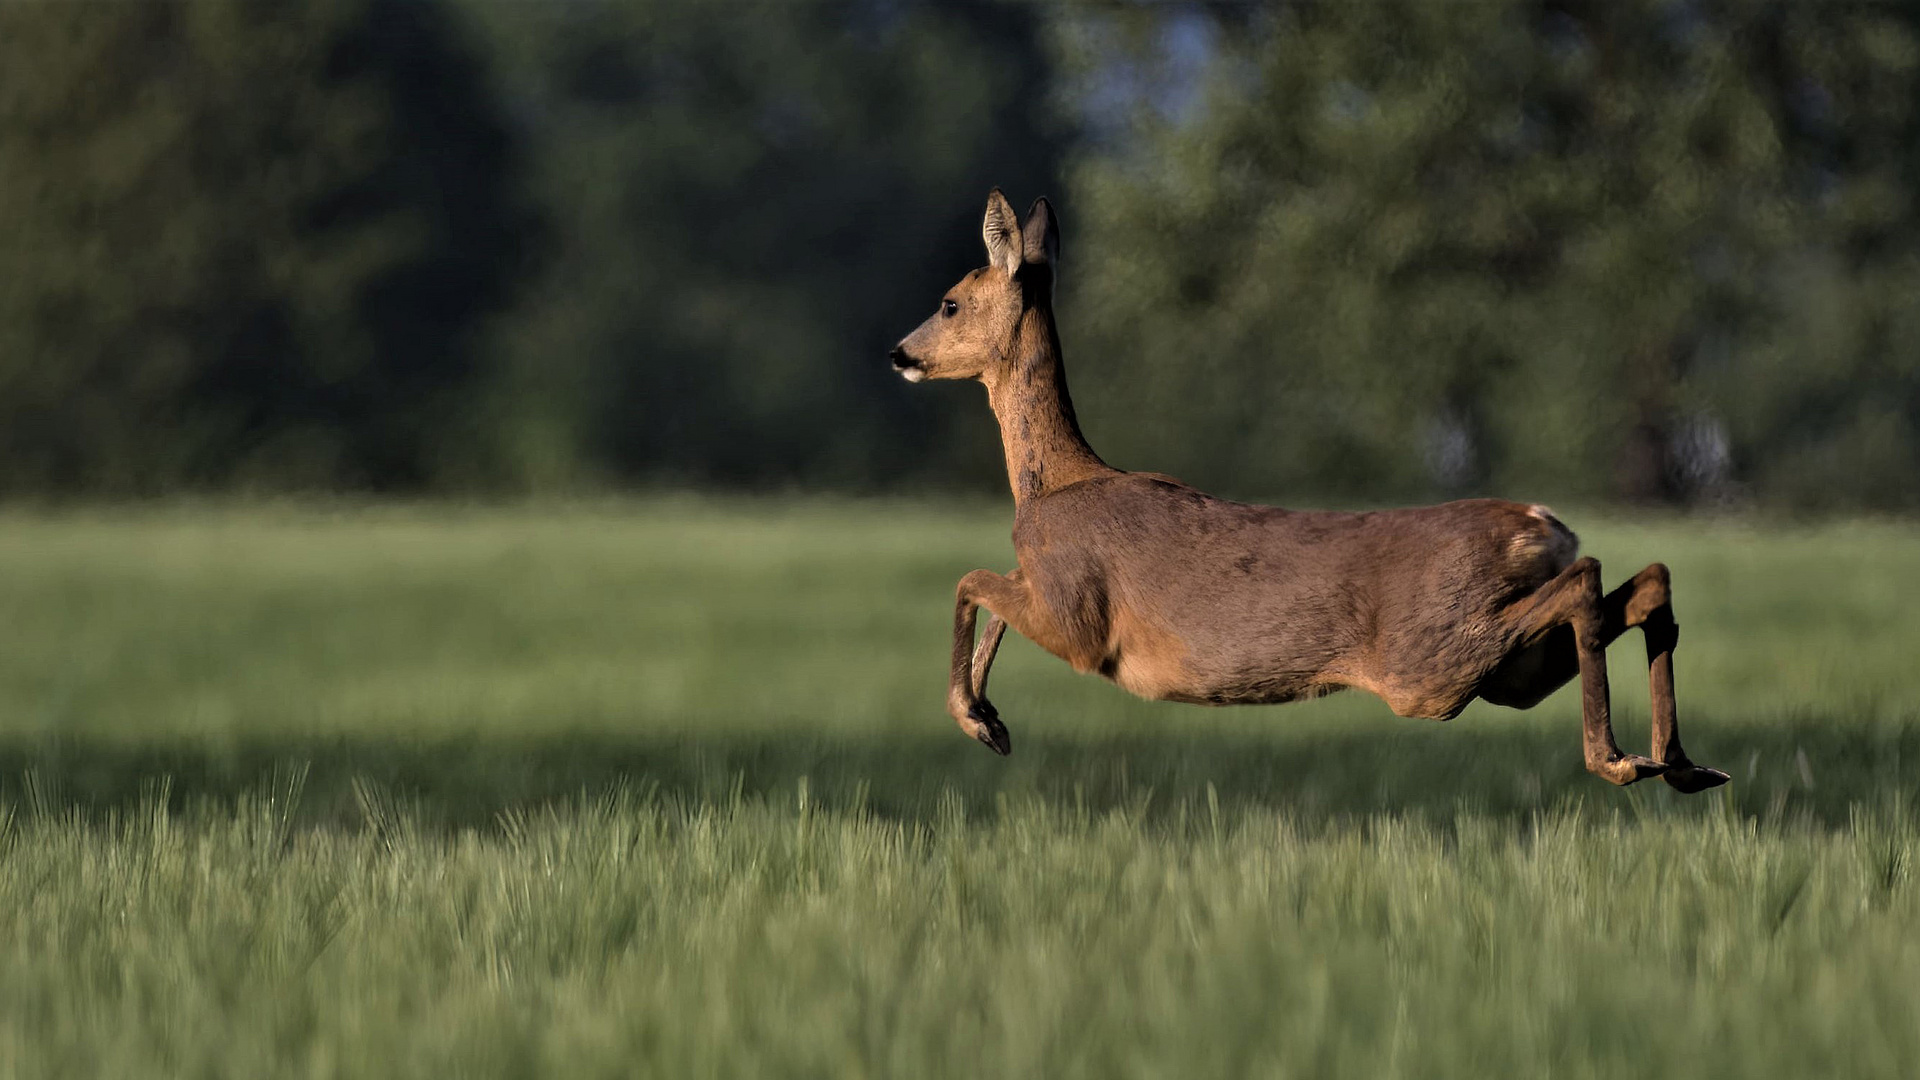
(664, 787)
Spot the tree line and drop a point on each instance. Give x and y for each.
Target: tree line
(1317, 251)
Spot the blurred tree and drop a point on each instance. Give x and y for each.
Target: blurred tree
(248, 244)
(1660, 250)
(1399, 249)
(1825, 413)
(753, 203)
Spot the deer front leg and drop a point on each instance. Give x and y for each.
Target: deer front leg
(967, 688)
(1573, 598)
(983, 653)
(989, 645)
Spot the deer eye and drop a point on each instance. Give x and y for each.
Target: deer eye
(948, 309)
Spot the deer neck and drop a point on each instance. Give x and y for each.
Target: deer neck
(1045, 450)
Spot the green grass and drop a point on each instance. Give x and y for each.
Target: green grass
(666, 788)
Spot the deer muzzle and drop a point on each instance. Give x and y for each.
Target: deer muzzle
(907, 366)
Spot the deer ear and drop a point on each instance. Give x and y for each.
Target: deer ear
(1001, 231)
(1040, 236)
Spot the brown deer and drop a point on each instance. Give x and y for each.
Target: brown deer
(1178, 596)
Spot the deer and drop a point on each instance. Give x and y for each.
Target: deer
(1175, 595)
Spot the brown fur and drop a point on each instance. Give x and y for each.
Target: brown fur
(1176, 595)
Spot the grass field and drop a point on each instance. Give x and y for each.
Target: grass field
(666, 789)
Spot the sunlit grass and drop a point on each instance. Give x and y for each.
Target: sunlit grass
(666, 788)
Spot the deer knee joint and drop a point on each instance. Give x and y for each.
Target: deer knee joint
(1585, 573)
(974, 586)
(1652, 593)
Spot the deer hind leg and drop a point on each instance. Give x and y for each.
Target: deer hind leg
(1646, 601)
(1573, 600)
(1648, 604)
(1535, 670)
(1005, 598)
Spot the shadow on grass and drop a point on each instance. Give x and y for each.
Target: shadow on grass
(1817, 769)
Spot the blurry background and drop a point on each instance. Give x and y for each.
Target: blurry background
(474, 772)
(1657, 252)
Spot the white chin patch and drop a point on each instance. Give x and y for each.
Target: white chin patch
(913, 374)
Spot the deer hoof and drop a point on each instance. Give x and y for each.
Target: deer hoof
(988, 728)
(1688, 778)
(1626, 769)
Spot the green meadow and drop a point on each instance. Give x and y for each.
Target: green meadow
(665, 788)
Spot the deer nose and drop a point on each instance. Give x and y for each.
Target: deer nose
(907, 366)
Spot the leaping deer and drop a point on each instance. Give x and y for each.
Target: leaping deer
(1178, 596)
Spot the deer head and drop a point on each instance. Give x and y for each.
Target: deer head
(973, 334)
